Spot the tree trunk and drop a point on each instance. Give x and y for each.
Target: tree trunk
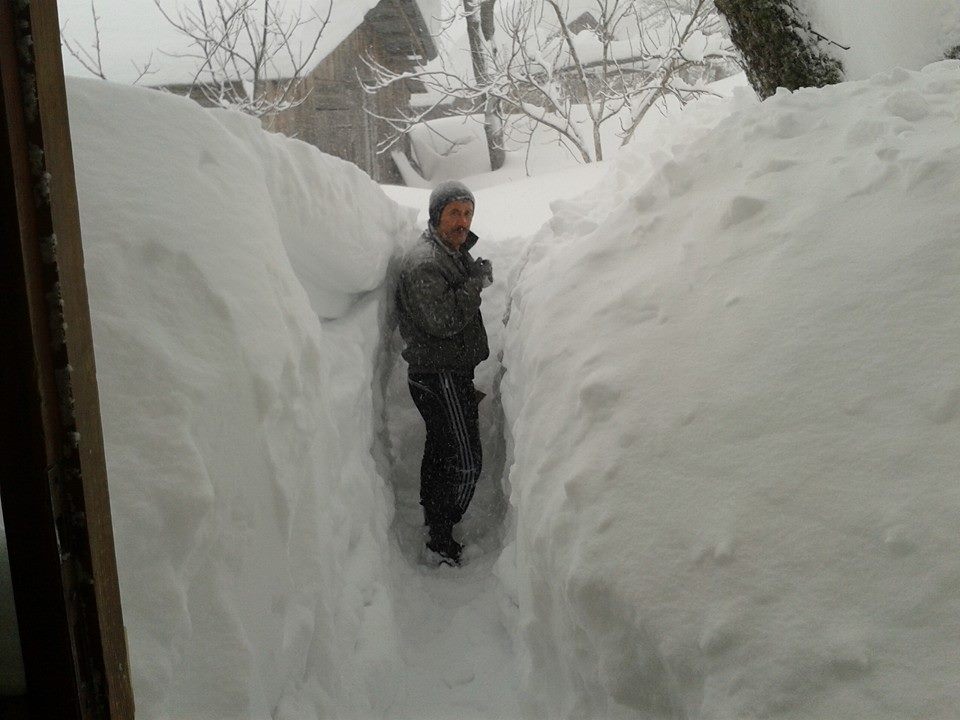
(487, 19)
(478, 34)
(778, 45)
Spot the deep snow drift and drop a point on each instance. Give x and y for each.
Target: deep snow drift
(251, 525)
(734, 398)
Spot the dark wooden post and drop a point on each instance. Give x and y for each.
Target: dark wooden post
(53, 480)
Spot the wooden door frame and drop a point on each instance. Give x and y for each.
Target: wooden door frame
(53, 480)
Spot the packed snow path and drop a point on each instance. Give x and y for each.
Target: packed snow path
(458, 661)
(457, 653)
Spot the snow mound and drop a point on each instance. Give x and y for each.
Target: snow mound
(251, 525)
(338, 228)
(734, 403)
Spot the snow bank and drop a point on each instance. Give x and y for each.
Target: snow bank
(251, 526)
(337, 227)
(733, 397)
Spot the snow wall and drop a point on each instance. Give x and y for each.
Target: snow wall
(733, 396)
(250, 522)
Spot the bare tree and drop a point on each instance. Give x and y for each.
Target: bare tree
(480, 31)
(91, 59)
(689, 37)
(251, 55)
(542, 75)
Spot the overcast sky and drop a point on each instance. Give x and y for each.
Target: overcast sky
(133, 32)
(130, 30)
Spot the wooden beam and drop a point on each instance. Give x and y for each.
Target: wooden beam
(52, 470)
(28, 385)
(13, 708)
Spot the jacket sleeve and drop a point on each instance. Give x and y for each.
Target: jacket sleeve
(437, 307)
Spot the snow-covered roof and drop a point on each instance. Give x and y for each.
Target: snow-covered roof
(133, 31)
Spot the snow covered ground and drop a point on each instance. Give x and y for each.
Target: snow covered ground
(720, 474)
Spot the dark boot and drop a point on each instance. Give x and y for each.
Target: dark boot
(441, 542)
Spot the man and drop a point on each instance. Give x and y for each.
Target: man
(438, 303)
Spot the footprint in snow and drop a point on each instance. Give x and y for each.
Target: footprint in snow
(740, 209)
(865, 132)
(948, 408)
(869, 179)
(932, 172)
(889, 78)
(788, 125)
(459, 677)
(598, 396)
(773, 166)
(907, 104)
(207, 159)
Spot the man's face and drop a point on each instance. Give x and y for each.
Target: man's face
(455, 222)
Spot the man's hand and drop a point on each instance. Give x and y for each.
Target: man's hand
(483, 269)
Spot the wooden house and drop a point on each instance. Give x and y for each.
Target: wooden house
(396, 34)
(334, 117)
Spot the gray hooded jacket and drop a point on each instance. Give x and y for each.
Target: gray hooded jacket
(438, 307)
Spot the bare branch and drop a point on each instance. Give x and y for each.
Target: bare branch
(144, 70)
(249, 57)
(541, 75)
(92, 62)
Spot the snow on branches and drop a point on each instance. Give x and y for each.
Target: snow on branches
(251, 55)
(91, 58)
(549, 62)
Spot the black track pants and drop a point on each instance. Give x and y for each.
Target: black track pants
(451, 456)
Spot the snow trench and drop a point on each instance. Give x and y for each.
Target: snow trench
(456, 650)
(729, 423)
